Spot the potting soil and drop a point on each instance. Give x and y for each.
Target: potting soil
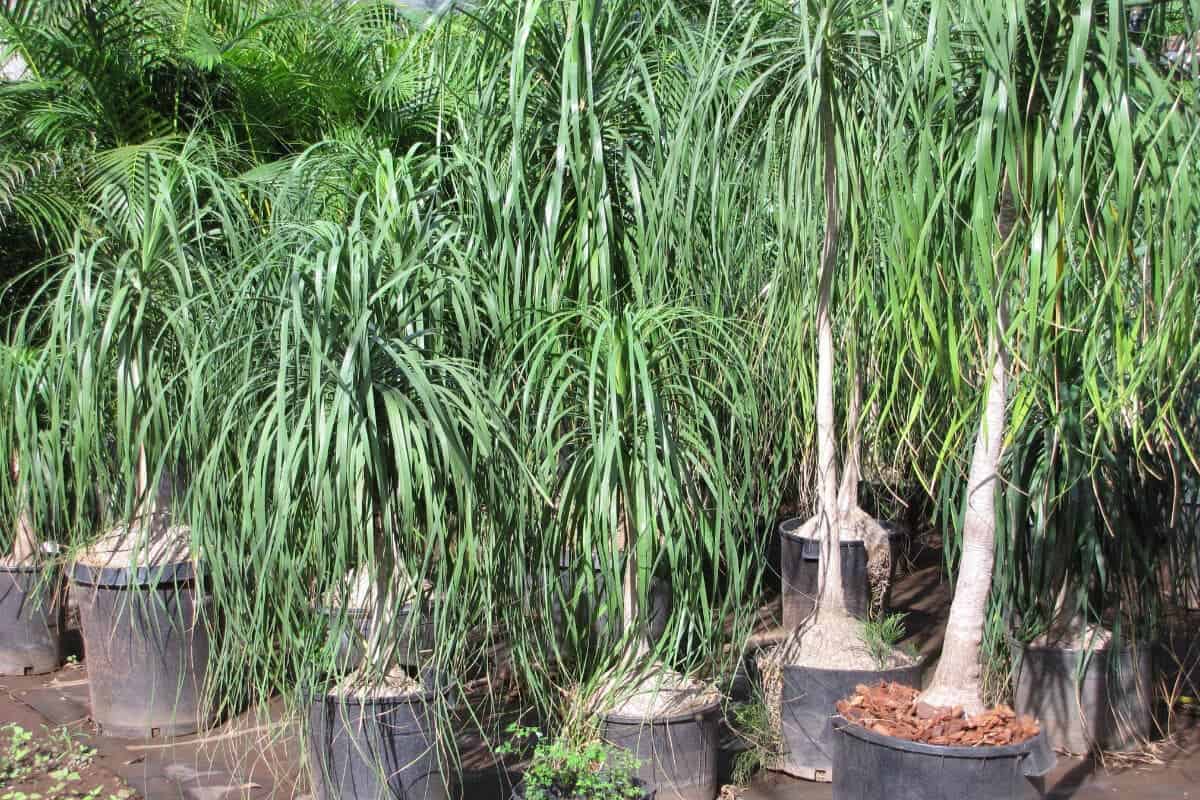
(149, 541)
(659, 692)
(395, 683)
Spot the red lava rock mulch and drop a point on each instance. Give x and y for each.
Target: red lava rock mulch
(891, 709)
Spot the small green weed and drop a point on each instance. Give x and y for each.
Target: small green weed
(563, 770)
(752, 723)
(57, 758)
(881, 637)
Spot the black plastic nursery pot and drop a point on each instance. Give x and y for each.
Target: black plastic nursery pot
(677, 753)
(800, 564)
(31, 620)
(374, 748)
(808, 699)
(647, 793)
(1177, 658)
(870, 766)
(1084, 702)
(146, 642)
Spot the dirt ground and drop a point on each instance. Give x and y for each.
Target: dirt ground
(47, 762)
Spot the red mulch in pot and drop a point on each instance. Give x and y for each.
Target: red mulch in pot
(891, 709)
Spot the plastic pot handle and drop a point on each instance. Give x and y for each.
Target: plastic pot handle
(1041, 759)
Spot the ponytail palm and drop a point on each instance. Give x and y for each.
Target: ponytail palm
(119, 314)
(1054, 146)
(344, 438)
(825, 63)
(641, 418)
(625, 369)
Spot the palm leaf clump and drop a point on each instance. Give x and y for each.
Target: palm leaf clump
(353, 444)
(630, 394)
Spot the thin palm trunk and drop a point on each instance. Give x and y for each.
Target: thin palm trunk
(629, 608)
(830, 594)
(25, 544)
(851, 470)
(958, 681)
(142, 485)
(638, 644)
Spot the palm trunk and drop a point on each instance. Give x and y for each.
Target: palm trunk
(629, 594)
(829, 587)
(142, 482)
(25, 544)
(629, 604)
(851, 470)
(141, 471)
(957, 681)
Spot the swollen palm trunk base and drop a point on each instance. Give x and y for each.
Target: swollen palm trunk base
(412, 629)
(146, 647)
(30, 621)
(374, 748)
(678, 753)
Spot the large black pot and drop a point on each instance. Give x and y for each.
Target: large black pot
(808, 701)
(800, 563)
(374, 748)
(31, 620)
(678, 753)
(870, 766)
(1178, 657)
(647, 794)
(146, 640)
(1083, 701)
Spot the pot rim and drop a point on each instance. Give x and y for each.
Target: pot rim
(795, 537)
(664, 719)
(122, 577)
(980, 752)
(918, 664)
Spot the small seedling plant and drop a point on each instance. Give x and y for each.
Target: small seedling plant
(561, 769)
(54, 761)
(881, 636)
